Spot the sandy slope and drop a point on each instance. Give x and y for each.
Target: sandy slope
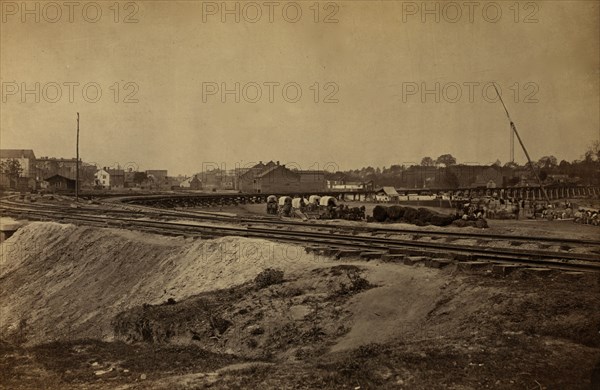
(69, 282)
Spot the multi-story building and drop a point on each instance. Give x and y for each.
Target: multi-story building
(25, 157)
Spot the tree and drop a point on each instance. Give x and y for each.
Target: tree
(548, 162)
(564, 164)
(446, 159)
(12, 169)
(427, 162)
(593, 152)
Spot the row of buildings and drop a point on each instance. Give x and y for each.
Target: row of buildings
(270, 177)
(60, 174)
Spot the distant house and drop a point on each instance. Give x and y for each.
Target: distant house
(102, 178)
(109, 178)
(117, 178)
(59, 182)
(191, 183)
(195, 183)
(387, 194)
(185, 183)
(490, 177)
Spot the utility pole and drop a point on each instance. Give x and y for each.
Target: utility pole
(512, 146)
(514, 129)
(77, 164)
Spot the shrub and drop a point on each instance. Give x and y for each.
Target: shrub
(268, 277)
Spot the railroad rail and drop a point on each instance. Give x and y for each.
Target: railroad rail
(145, 212)
(333, 242)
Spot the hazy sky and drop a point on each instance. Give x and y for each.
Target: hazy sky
(372, 65)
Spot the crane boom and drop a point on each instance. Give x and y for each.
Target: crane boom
(514, 129)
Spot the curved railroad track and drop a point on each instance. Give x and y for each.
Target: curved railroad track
(335, 240)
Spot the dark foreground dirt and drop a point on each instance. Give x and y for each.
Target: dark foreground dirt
(528, 333)
(322, 324)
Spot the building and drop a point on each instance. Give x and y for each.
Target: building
(274, 177)
(277, 179)
(312, 181)
(46, 167)
(342, 185)
(25, 157)
(60, 183)
(490, 177)
(117, 178)
(387, 194)
(102, 178)
(109, 178)
(246, 177)
(195, 183)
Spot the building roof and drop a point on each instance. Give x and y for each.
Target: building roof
(273, 169)
(17, 153)
(59, 177)
(57, 159)
(311, 172)
(390, 191)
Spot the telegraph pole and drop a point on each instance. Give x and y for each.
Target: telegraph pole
(77, 164)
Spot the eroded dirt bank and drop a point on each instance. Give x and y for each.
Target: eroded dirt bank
(108, 308)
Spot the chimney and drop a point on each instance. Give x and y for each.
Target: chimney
(277, 162)
(260, 162)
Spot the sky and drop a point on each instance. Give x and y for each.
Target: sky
(380, 82)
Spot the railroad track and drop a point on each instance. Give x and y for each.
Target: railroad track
(337, 243)
(146, 212)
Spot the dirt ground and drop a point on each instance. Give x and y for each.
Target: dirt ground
(90, 308)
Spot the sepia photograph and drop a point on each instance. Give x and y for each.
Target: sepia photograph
(309, 194)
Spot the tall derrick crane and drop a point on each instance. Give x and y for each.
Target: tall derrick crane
(515, 132)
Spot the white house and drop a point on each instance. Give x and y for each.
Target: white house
(102, 178)
(186, 182)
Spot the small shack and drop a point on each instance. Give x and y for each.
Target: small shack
(387, 194)
(60, 183)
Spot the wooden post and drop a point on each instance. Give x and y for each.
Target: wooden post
(77, 164)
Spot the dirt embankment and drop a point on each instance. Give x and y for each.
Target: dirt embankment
(105, 308)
